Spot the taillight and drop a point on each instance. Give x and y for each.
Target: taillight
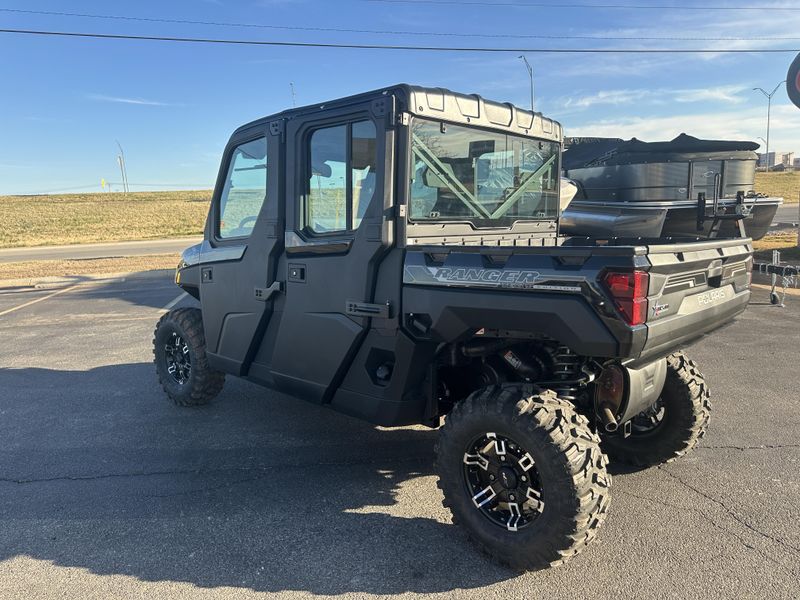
(629, 290)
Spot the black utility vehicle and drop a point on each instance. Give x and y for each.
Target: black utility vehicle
(395, 256)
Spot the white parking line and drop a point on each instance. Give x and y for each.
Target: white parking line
(175, 301)
(42, 299)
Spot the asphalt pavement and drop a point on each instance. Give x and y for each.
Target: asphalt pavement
(107, 490)
(787, 213)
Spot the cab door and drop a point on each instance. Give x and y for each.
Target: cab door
(337, 233)
(239, 255)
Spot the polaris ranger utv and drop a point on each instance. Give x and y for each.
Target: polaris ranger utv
(396, 256)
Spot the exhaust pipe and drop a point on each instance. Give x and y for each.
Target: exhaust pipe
(610, 423)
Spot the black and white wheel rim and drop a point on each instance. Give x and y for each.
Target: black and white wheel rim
(177, 358)
(502, 479)
(648, 420)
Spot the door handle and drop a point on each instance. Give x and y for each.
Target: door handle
(266, 294)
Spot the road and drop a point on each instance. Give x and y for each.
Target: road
(787, 213)
(109, 491)
(84, 251)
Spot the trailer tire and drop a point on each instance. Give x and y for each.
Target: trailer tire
(178, 342)
(686, 414)
(564, 463)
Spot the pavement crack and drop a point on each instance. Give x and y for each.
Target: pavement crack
(99, 476)
(730, 512)
(711, 521)
(748, 448)
(207, 471)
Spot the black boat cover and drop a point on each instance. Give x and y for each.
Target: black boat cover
(592, 152)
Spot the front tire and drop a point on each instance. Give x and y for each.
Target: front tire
(546, 490)
(179, 351)
(671, 427)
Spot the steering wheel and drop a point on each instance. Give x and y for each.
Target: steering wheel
(246, 220)
(242, 230)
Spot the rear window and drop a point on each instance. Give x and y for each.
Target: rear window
(487, 178)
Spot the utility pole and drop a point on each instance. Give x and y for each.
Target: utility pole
(123, 169)
(294, 96)
(769, 112)
(530, 76)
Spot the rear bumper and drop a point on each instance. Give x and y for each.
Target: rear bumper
(692, 322)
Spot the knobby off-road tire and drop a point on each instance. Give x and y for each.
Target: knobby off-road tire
(569, 468)
(179, 338)
(685, 410)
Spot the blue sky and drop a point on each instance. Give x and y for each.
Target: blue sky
(64, 102)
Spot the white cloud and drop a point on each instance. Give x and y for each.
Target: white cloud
(730, 94)
(612, 97)
(768, 29)
(122, 100)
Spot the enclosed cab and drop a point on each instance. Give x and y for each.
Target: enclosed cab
(396, 256)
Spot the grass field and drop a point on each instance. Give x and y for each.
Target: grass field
(783, 185)
(86, 218)
(785, 241)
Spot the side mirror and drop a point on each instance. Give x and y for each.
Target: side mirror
(793, 82)
(432, 180)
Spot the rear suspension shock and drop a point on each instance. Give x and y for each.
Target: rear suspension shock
(566, 369)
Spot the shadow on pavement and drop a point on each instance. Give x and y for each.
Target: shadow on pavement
(100, 472)
(152, 289)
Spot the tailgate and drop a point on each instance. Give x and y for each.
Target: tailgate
(695, 288)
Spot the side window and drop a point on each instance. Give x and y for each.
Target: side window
(327, 192)
(362, 168)
(342, 176)
(245, 190)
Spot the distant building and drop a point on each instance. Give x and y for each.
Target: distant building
(786, 159)
(797, 163)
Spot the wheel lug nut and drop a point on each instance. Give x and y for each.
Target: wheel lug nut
(502, 458)
(523, 478)
(512, 497)
(491, 477)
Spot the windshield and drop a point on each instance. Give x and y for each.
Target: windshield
(488, 178)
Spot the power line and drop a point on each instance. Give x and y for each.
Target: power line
(194, 40)
(384, 31)
(589, 6)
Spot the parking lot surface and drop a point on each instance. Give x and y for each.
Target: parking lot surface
(109, 491)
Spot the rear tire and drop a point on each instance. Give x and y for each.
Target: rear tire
(179, 351)
(562, 461)
(685, 412)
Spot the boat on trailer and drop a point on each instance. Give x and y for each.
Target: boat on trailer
(684, 187)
